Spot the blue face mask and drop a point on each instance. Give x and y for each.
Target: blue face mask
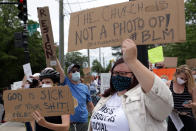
(121, 83)
(76, 76)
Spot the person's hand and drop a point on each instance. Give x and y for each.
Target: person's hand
(39, 118)
(188, 104)
(129, 50)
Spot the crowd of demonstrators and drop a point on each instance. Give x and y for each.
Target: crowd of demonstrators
(78, 121)
(137, 99)
(182, 87)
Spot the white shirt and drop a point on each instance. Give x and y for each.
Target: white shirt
(110, 117)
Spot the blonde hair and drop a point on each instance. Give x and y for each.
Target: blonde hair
(190, 84)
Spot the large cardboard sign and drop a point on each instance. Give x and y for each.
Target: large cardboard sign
(165, 73)
(191, 63)
(87, 79)
(170, 62)
(47, 36)
(53, 101)
(144, 21)
(87, 70)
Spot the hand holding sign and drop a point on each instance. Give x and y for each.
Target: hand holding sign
(39, 118)
(129, 50)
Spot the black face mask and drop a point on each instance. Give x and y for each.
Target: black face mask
(121, 83)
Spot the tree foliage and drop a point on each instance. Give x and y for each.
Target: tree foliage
(98, 68)
(75, 58)
(12, 58)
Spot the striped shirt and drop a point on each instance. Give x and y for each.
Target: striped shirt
(179, 99)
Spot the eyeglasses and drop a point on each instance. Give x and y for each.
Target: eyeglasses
(115, 73)
(73, 71)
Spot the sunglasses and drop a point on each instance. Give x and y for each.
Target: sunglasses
(73, 71)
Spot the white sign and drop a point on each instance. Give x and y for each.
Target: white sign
(16, 85)
(105, 81)
(27, 71)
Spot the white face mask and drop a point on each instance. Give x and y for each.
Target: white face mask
(46, 85)
(76, 76)
(180, 81)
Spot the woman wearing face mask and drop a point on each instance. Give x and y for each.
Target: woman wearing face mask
(182, 87)
(137, 99)
(49, 78)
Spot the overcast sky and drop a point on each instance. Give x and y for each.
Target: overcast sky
(70, 6)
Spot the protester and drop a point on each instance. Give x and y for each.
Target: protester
(159, 65)
(137, 99)
(79, 121)
(93, 90)
(182, 87)
(49, 78)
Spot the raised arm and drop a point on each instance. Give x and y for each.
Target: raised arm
(143, 75)
(61, 71)
(157, 96)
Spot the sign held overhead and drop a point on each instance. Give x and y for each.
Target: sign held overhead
(144, 21)
(47, 36)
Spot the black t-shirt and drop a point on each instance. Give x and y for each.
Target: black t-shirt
(51, 119)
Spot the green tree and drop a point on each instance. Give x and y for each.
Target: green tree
(75, 58)
(98, 68)
(12, 58)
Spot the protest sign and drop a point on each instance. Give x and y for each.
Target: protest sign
(105, 82)
(20, 104)
(165, 73)
(16, 85)
(155, 54)
(170, 62)
(27, 71)
(47, 36)
(87, 79)
(86, 70)
(191, 63)
(144, 21)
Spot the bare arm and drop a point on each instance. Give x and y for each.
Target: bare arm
(143, 75)
(90, 107)
(32, 125)
(61, 71)
(56, 127)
